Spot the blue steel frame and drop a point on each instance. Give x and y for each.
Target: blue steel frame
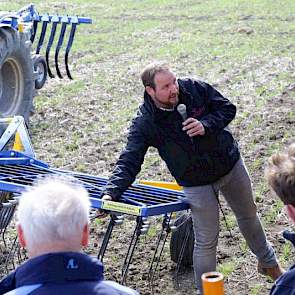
(18, 172)
(29, 14)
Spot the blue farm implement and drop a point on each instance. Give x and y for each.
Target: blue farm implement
(19, 170)
(23, 69)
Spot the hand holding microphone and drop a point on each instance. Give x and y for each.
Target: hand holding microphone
(192, 126)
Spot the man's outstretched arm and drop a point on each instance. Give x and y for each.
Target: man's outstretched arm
(128, 164)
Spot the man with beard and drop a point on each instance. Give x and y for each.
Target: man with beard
(187, 122)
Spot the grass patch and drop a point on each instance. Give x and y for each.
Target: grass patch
(256, 290)
(275, 209)
(227, 268)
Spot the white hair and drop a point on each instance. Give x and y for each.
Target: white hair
(54, 209)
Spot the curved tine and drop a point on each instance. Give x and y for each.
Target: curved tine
(11, 253)
(2, 217)
(17, 201)
(15, 198)
(2, 197)
(59, 44)
(54, 21)
(7, 213)
(13, 202)
(34, 30)
(70, 43)
(6, 204)
(45, 20)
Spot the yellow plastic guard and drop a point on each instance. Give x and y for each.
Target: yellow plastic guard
(120, 207)
(212, 283)
(163, 184)
(17, 145)
(21, 27)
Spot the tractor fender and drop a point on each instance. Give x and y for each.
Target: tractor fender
(2, 25)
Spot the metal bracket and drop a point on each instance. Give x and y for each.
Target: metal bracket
(115, 220)
(142, 226)
(17, 128)
(166, 229)
(181, 255)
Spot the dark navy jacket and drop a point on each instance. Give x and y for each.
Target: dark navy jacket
(285, 284)
(61, 274)
(202, 162)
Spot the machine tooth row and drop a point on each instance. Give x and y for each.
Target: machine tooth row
(27, 20)
(19, 170)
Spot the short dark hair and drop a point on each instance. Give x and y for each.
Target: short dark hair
(149, 72)
(280, 174)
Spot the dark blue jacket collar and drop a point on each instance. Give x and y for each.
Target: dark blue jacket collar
(59, 267)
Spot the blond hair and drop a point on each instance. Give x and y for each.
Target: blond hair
(280, 174)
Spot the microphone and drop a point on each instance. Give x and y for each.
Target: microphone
(181, 109)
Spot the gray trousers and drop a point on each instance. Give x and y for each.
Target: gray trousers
(237, 190)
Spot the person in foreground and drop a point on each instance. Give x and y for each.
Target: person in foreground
(187, 121)
(280, 174)
(53, 218)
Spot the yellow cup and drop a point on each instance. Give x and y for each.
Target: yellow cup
(212, 283)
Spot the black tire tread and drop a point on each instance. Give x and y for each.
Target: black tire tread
(183, 224)
(14, 44)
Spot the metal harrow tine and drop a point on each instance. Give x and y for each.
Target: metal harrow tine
(74, 21)
(45, 20)
(55, 21)
(64, 21)
(166, 228)
(34, 30)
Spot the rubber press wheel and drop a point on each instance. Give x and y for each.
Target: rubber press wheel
(183, 225)
(16, 74)
(40, 67)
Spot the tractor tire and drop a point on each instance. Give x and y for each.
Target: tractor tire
(183, 225)
(16, 74)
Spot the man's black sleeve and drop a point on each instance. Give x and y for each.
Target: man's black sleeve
(129, 162)
(221, 110)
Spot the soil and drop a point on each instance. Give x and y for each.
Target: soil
(53, 127)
